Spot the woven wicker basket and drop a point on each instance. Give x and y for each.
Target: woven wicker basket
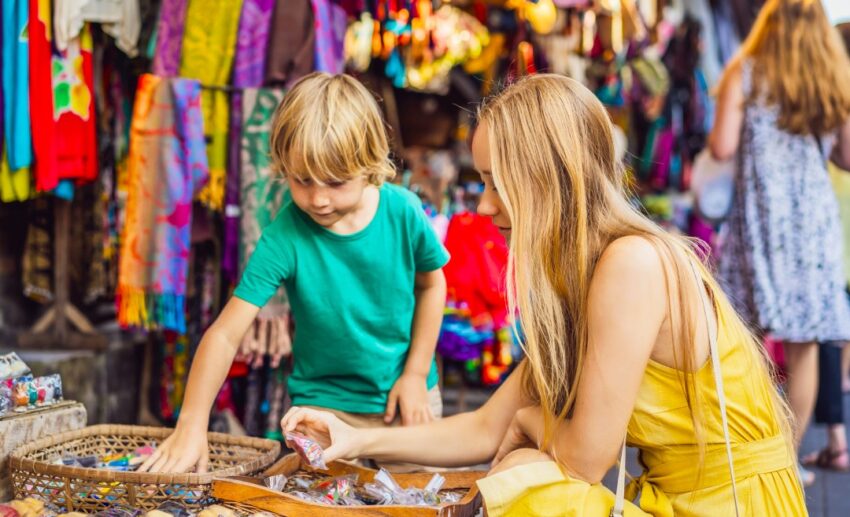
(90, 490)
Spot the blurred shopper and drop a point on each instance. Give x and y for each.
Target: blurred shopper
(829, 409)
(784, 106)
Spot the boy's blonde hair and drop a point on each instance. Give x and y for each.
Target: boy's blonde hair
(329, 129)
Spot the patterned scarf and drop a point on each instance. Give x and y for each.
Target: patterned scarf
(167, 166)
(169, 37)
(262, 195)
(248, 71)
(209, 43)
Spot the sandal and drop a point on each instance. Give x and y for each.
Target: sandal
(807, 477)
(829, 459)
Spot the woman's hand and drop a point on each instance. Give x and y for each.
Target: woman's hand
(517, 435)
(185, 449)
(338, 439)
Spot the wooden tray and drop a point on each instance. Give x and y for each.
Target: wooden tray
(252, 491)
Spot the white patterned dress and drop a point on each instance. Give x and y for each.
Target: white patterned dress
(781, 262)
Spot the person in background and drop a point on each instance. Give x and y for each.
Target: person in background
(784, 109)
(362, 269)
(618, 317)
(829, 408)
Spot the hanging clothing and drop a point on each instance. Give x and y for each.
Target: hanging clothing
(782, 258)
(44, 135)
(16, 83)
(662, 429)
(168, 165)
(209, 44)
(331, 25)
(14, 185)
(68, 21)
(169, 37)
(74, 111)
(262, 189)
(291, 43)
(121, 19)
(248, 71)
(476, 274)
(262, 193)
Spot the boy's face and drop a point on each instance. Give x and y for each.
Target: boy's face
(327, 204)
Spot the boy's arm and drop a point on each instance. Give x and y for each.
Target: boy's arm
(410, 391)
(187, 446)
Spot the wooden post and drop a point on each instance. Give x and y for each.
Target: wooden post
(52, 329)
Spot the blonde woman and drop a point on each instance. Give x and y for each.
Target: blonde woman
(616, 330)
(782, 103)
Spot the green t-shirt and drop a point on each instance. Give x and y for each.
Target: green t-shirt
(352, 298)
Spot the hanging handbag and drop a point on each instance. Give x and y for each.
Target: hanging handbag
(713, 186)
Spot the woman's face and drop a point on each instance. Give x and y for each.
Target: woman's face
(490, 205)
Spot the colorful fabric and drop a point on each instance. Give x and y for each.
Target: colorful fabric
(261, 195)
(331, 26)
(262, 190)
(291, 42)
(209, 43)
(248, 71)
(169, 37)
(167, 167)
(41, 87)
(74, 111)
(14, 185)
(352, 297)
(16, 83)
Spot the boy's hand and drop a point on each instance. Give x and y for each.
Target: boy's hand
(411, 393)
(186, 449)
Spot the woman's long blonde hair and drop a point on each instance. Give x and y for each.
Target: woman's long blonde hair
(553, 162)
(800, 65)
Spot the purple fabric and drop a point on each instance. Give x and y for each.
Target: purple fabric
(230, 255)
(253, 36)
(330, 23)
(248, 72)
(169, 39)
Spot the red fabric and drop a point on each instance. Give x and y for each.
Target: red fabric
(41, 90)
(77, 149)
(476, 272)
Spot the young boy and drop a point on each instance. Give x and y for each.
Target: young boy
(362, 271)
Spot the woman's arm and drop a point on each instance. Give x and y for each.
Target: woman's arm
(626, 308)
(459, 440)
(728, 116)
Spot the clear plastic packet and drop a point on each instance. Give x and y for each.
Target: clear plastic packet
(307, 496)
(6, 404)
(48, 388)
(276, 483)
(119, 511)
(12, 367)
(335, 489)
(299, 482)
(311, 452)
(373, 494)
(451, 497)
(399, 495)
(175, 509)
